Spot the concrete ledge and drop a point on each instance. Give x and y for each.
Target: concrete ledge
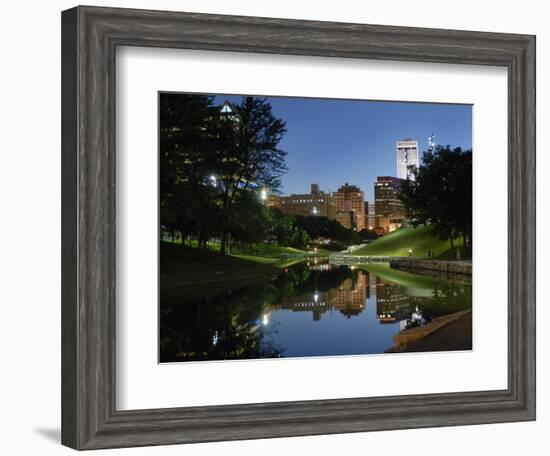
(409, 336)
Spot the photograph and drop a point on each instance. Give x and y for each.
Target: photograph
(307, 227)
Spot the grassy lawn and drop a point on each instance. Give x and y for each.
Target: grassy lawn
(193, 269)
(266, 254)
(398, 243)
(270, 249)
(258, 249)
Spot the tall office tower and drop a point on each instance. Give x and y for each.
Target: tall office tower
(389, 209)
(407, 156)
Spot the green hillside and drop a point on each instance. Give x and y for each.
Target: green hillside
(398, 243)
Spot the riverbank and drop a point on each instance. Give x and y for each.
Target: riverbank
(189, 271)
(451, 332)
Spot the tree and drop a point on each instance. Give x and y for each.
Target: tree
(187, 205)
(250, 221)
(212, 158)
(441, 194)
(367, 235)
(246, 155)
(320, 226)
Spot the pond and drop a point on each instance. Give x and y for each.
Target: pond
(312, 308)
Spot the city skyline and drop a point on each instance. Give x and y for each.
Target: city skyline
(333, 141)
(257, 262)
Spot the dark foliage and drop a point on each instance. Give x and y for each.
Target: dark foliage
(441, 194)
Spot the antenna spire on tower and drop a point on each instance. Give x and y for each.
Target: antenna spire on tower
(431, 142)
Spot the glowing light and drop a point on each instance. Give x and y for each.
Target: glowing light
(265, 319)
(316, 296)
(263, 194)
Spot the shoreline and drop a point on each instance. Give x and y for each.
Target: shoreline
(448, 333)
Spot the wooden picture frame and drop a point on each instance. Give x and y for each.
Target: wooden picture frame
(90, 36)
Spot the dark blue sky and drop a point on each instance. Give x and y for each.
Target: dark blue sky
(331, 142)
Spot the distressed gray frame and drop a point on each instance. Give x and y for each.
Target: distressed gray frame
(90, 36)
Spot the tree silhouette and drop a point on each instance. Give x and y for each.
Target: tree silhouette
(246, 155)
(209, 158)
(441, 193)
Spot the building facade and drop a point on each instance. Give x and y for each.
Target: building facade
(316, 202)
(371, 216)
(347, 206)
(350, 207)
(389, 209)
(407, 157)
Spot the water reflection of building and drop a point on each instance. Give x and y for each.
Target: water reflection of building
(349, 299)
(316, 302)
(392, 304)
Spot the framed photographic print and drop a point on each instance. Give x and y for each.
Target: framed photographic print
(280, 228)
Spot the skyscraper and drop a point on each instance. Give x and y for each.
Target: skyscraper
(389, 209)
(407, 155)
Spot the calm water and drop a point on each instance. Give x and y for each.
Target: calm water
(310, 309)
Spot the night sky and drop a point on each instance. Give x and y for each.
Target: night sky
(331, 142)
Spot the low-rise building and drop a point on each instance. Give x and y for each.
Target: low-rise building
(316, 202)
